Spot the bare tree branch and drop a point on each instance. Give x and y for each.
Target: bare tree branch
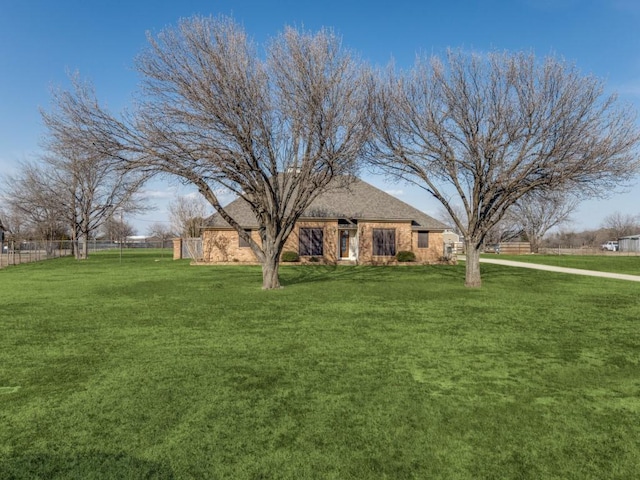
(33, 195)
(187, 215)
(538, 212)
(487, 130)
(214, 113)
(84, 180)
(621, 225)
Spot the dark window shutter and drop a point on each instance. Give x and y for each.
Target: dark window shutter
(423, 239)
(310, 242)
(384, 242)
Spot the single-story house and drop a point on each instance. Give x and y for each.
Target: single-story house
(357, 223)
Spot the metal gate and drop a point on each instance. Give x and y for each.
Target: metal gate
(192, 248)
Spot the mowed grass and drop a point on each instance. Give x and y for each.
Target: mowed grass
(618, 263)
(151, 368)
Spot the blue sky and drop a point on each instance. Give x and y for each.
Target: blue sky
(41, 40)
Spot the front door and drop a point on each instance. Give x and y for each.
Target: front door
(344, 243)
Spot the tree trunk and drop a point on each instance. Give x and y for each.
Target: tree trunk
(85, 247)
(74, 243)
(534, 241)
(270, 266)
(472, 267)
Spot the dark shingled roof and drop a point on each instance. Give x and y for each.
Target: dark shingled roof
(358, 201)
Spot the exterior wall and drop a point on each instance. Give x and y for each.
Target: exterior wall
(365, 240)
(329, 238)
(629, 244)
(433, 253)
(221, 246)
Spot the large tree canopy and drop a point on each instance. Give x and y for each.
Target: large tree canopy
(487, 130)
(212, 111)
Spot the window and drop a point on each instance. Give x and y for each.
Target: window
(384, 241)
(242, 243)
(423, 239)
(311, 240)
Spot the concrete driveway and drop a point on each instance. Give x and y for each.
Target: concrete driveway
(549, 268)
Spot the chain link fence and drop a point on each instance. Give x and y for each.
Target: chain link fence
(15, 253)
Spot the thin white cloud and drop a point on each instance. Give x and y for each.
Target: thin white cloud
(161, 194)
(395, 193)
(631, 88)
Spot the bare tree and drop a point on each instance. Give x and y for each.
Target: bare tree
(14, 225)
(187, 214)
(275, 131)
(5, 225)
(117, 229)
(508, 229)
(161, 231)
(538, 212)
(3, 231)
(486, 130)
(87, 183)
(531, 217)
(445, 217)
(30, 195)
(621, 225)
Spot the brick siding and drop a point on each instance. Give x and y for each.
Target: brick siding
(222, 246)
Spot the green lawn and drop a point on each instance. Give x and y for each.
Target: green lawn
(155, 369)
(602, 263)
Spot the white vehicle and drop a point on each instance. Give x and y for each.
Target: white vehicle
(611, 246)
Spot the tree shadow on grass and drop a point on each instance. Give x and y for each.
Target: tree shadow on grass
(304, 274)
(506, 274)
(85, 465)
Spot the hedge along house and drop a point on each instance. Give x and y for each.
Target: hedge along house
(357, 223)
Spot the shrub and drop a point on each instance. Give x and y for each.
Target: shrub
(405, 256)
(290, 256)
(448, 260)
(314, 259)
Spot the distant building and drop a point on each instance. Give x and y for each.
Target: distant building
(629, 244)
(453, 239)
(136, 239)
